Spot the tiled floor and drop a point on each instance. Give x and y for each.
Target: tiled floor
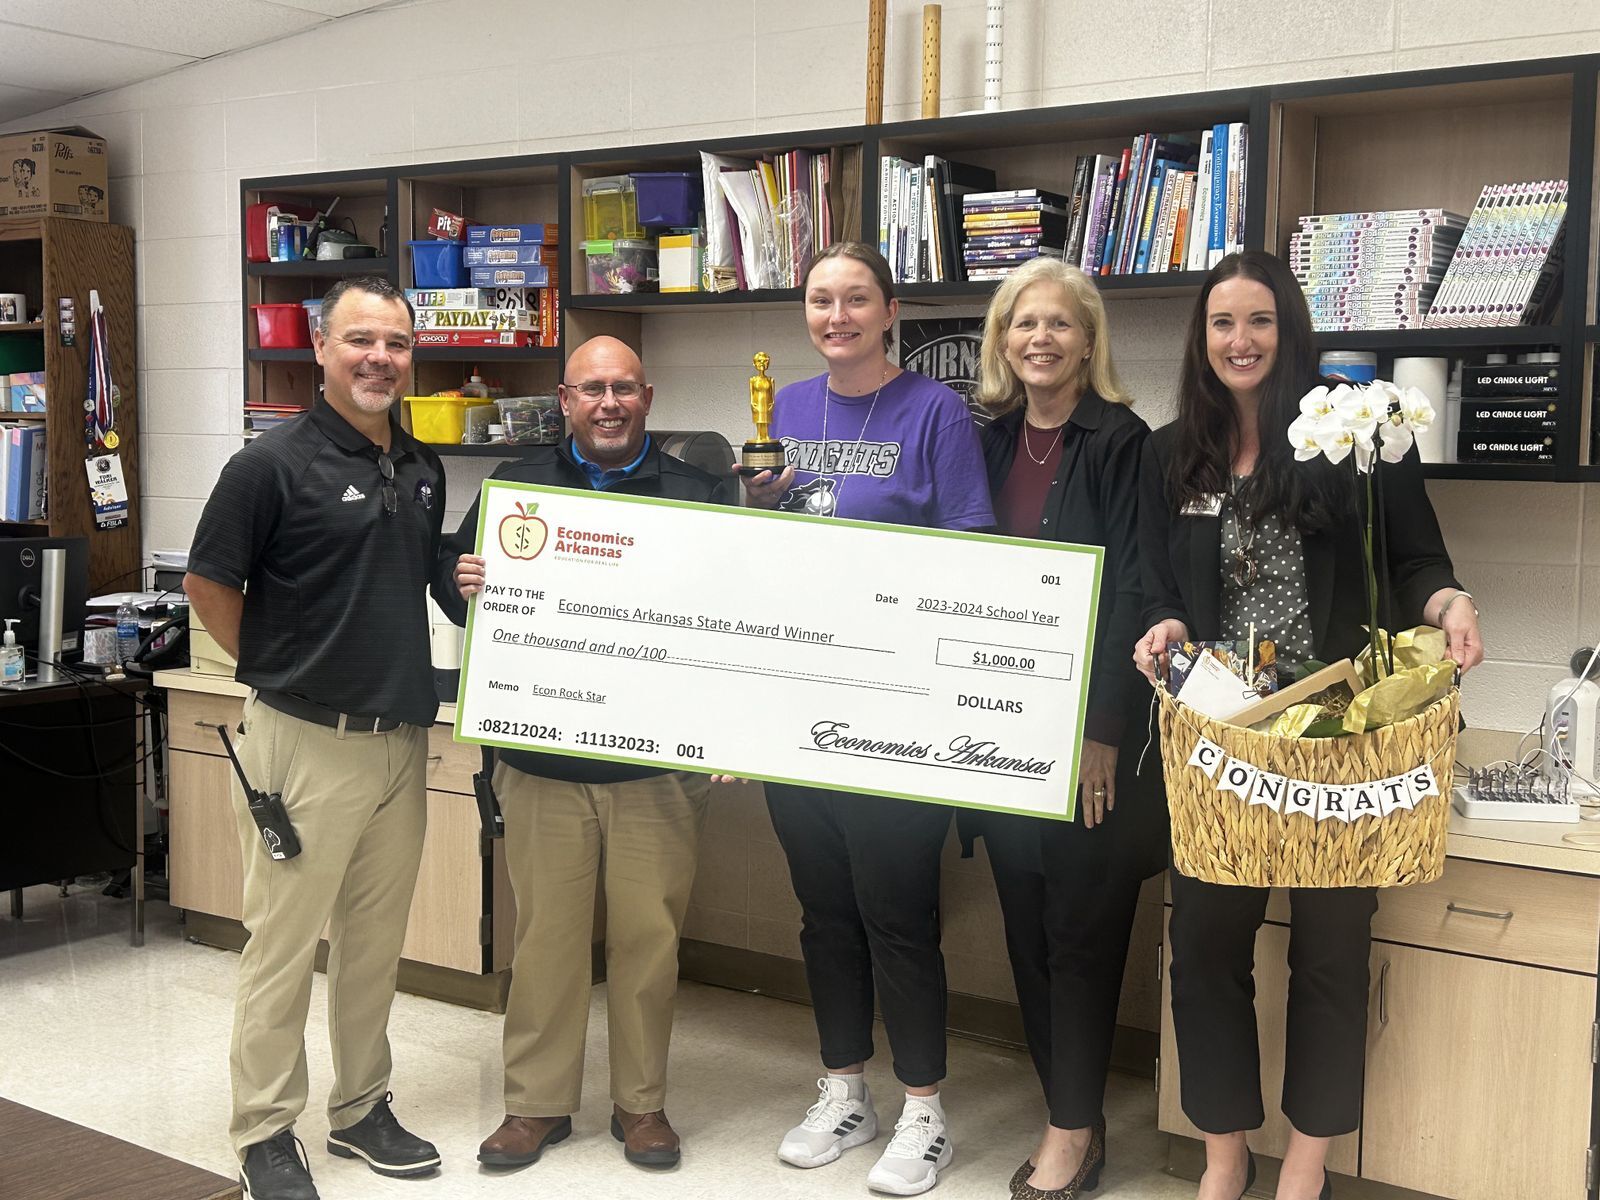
(134, 1042)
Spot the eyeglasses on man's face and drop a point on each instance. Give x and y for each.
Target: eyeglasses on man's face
(593, 389)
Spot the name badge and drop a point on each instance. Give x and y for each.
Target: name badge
(1206, 506)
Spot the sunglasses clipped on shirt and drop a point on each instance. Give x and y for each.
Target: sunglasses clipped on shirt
(391, 502)
(593, 389)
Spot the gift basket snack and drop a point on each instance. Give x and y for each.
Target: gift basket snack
(1346, 787)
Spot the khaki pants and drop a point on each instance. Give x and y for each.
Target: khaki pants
(558, 835)
(359, 806)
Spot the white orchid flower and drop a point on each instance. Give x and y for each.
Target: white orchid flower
(1303, 434)
(1337, 439)
(1360, 410)
(1318, 402)
(1416, 410)
(1395, 440)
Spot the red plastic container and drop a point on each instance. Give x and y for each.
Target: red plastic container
(255, 227)
(282, 326)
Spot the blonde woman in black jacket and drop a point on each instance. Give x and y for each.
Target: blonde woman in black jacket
(1062, 455)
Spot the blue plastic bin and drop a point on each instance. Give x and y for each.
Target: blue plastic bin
(668, 198)
(436, 264)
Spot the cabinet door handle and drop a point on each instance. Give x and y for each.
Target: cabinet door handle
(204, 725)
(435, 758)
(1383, 994)
(1479, 912)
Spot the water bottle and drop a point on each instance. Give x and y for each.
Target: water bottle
(127, 630)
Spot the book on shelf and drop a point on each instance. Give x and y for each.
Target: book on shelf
(1145, 209)
(1372, 270)
(920, 209)
(1508, 260)
(23, 472)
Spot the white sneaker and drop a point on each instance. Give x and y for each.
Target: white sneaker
(834, 1124)
(916, 1154)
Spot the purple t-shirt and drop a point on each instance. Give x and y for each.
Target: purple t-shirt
(916, 461)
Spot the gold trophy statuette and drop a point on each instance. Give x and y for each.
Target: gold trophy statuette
(761, 453)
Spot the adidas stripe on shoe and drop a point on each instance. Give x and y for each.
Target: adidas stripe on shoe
(835, 1123)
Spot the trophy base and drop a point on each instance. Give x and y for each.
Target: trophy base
(761, 456)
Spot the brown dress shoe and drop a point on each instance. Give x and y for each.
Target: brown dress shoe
(521, 1140)
(647, 1139)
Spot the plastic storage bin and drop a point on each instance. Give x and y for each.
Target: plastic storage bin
(621, 265)
(440, 420)
(610, 208)
(531, 420)
(668, 198)
(313, 316)
(282, 327)
(437, 265)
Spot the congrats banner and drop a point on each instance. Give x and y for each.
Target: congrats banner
(1319, 801)
(923, 664)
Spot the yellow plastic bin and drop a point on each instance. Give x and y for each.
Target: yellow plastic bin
(440, 420)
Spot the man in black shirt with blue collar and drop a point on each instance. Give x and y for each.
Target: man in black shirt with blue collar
(311, 566)
(571, 820)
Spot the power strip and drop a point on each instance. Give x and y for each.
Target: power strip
(1558, 811)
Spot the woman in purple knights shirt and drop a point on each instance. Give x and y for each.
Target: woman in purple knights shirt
(867, 440)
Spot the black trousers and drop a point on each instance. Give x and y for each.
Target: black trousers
(1069, 910)
(866, 871)
(1213, 933)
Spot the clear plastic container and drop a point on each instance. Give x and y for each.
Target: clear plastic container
(531, 420)
(611, 208)
(621, 265)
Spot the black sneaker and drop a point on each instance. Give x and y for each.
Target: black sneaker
(388, 1149)
(276, 1170)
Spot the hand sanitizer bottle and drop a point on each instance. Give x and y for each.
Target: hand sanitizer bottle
(12, 667)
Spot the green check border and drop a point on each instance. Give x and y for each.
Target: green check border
(762, 514)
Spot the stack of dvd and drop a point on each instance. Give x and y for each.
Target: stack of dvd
(1373, 270)
(1003, 230)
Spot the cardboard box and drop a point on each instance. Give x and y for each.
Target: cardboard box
(447, 298)
(206, 655)
(1508, 447)
(476, 338)
(532, 276)
(466, 318)
(1509, 417)
(510, 255)
(1512, 379)
(499, 235)
(54, 173)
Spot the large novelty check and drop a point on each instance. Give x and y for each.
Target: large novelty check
(918, 663)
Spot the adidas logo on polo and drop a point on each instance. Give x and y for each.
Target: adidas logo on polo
(350, 494)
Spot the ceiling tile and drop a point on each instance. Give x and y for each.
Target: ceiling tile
(175, 26)
(338, 8)
(58, 62)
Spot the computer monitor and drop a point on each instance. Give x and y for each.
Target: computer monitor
(22, 581)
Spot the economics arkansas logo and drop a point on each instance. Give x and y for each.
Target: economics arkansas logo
(523, 535)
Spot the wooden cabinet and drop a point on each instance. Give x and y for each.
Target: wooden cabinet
(1480, 1064)
(462, 912)
(1478, 1076)
(50, 260)
(206, 873)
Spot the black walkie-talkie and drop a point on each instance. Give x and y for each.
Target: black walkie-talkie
(494, 824)
(271, 818)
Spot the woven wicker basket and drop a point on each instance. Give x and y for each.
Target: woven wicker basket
(1218, 838)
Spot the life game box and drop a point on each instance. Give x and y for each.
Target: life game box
(54, 173)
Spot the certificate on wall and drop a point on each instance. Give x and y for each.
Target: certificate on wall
(935, 666)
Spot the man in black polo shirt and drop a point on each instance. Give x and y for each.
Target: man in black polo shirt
(311, 566)
(571, 819)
